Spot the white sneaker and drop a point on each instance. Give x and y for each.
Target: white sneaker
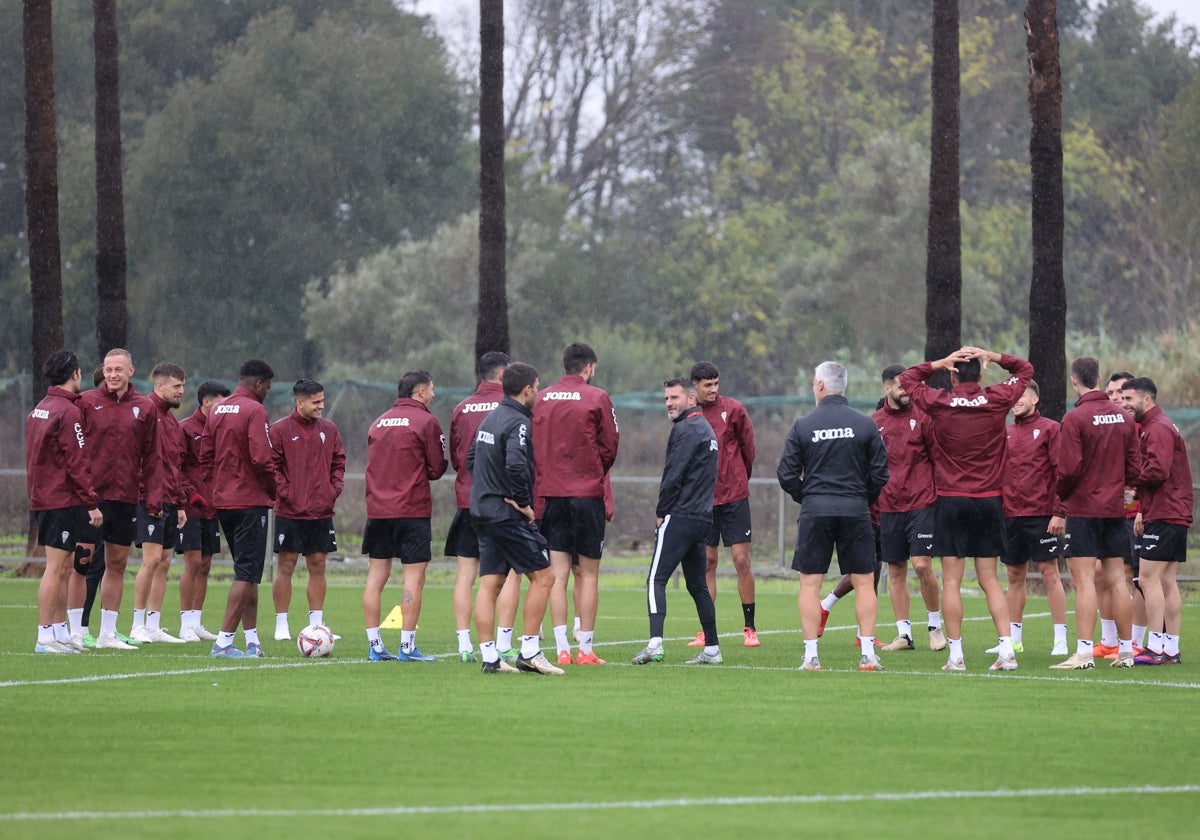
(283, 634)
(76, 643)
(955, 665)
(53, 647)
(1059, 649)
(205, 635)
(161, 635)
(140, 634)
(937, 639)
(1004, 663)
(188, 634)
(109, 641)
(995, 649)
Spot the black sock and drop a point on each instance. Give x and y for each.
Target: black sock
(748, 615)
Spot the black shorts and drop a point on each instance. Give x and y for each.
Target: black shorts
(1163, 542)
(462, 541)
(410, 539)
(63, 528)
(203, 535)
(730, 524)
(818, 536)
(1131, 558)
(159, 530)
(1095, 537)
(905, 535)
(120, 524)
(575, 526)
(1027, 541)
(514, 545)
(305, 536)
(246, 532)
(965, 526)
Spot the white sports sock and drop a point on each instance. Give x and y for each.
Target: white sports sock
(373, 638)
(1006, 647)
(464, 640)
(868, 645)
(251, 634)
(585, 640)
(1108, 632)
(828, 601)
(935, 618)
(185, 620)
(408, 640)
(75, 617)
(281, 621)
(1060, 633)
(139, 619)
(1016, 628)
(956, 649)
(316, 617)
(60, 631)
(153, 620)
(577, 624)
(560, 638)
(904, 628)
(487, 652)
(810, 648)
(712, 650)
(1157, 642)
(1125, 646)
(655, 642)
(45, 634)
(529, 646)
(1139, 635)
(504, 638)
(1083, 647)
(1170, 643)
(225, 639)
(108, 622)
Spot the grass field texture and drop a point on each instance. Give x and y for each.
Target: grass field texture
(166, 742)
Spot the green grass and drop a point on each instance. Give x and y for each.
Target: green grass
(166, 742)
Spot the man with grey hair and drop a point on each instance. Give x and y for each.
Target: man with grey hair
(835, 465)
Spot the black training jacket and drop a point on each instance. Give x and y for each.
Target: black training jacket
(834, 462)
(501, 462)
(690, 472)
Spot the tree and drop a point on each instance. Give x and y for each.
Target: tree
(1047, 289)
(112, 315)
(41, 186)
(943, 267)
(491, 329)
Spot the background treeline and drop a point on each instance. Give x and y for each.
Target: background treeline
(740, 180)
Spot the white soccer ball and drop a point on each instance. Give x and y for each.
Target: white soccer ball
(315, 640)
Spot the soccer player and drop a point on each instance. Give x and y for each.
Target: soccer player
(834, 465)
(731, 501)
(1097, 458)
(200, 538)
(461, 542)
(968, 471)
(1033, 516)
(905, 509)
(236, 453)
(59, 481)
(405, 452)
(122, 426)
(310, 463)
(502, 475)
(157, 535)
(1164, 483)
(684, 516)
(575, 427)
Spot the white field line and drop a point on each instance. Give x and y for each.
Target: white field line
(634, 804)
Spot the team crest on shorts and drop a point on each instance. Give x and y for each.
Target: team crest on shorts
(66, 535)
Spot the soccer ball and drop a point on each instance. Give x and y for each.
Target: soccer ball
(315, 640)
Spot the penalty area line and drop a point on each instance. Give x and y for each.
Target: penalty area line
(634, 804)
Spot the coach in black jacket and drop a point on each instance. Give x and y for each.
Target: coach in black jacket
(835, 465)
(684, 513)
(501, 465)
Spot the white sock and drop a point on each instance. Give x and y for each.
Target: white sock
(577, 624)
(530, 646)
(504, 638)
(373, 638)
(464, 641)
(45, 634)
(1170, 643)
(225, 639)
(60, 631)
(1139, 635)
(153, 620)
(1125, 646)
(1157, 642)
(487, 652)
(75, 617)
(1006, 647)
(868, 645)
(1060, 633)
(712, 650)
(1015, 628)
(828, 601)
(139, 619)
(281, 621)
(935, 618)
(904, 628)
(108, 622)
(810, 648)
(585, 640)
(956, 649)
(1108, 632)
(316, 617)
(251, 634)
(1083, 647)
(185, 620)
(655, 643)
(560, 638)
(408, 640)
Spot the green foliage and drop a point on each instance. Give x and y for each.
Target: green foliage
(307, 149)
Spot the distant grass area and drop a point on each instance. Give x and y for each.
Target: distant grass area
(166, 742)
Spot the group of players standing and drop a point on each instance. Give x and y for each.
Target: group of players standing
(939, 469)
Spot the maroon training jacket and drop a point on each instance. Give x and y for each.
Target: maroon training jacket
(123, 442)
(172, 446)
(575, 439)
(464, 422)
(735, 448)
(310, 463)
(192, 427)
(1097, 456)
(908, 437)
(405, 451)
(236, 452)
(58, 471)
(1165, 479)
(1029, 474)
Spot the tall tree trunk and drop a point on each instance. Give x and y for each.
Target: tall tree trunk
(943, 266)
(41, 188)
(491, 328)
(1047, 289)
(112, 314)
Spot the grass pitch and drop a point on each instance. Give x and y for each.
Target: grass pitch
(166, 742)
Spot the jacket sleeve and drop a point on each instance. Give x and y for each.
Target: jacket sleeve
(337, 464)
(1015, 385)
(517, 457)
(1068, 458)
(671, 486)
(154, 477)
(71, 440)
(913, 383)
(609, 434)
(877, 470)
(283, 486)
(458, 452)
(435, 451)
(1152, 464)
(745, 436)
(262, 454)
(791, 466)
(1054, 432)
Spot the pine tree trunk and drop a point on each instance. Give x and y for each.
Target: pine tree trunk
(491, 330)
(112, 314)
